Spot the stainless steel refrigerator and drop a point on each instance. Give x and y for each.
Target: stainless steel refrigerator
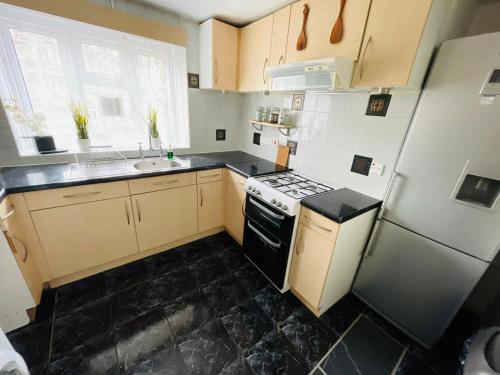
(440, 226)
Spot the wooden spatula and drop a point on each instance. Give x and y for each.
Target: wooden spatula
(302, 41)
(338, 27)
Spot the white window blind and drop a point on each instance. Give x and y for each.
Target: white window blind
(49, 61)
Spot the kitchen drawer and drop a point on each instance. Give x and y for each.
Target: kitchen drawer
(38, 200)
(209, 176)
(145, 185)
(320, 224)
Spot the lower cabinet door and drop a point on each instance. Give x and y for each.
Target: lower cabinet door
(310, 262)
(86, 235)
(210, 205)
(234, 220)
(165, 216)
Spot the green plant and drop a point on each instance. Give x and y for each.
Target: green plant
(152, 120)
(80, 115)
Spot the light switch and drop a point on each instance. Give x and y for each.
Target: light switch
(377, 169)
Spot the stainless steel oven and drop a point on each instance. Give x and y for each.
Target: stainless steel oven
(267, 238)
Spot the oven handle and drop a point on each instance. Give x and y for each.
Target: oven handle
(266, 210)
(264, 238)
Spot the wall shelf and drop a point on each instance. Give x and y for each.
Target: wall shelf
(283, 129)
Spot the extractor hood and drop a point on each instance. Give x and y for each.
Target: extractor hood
(332, 74)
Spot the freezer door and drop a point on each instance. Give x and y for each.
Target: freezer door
(449, 180)
(416, 283)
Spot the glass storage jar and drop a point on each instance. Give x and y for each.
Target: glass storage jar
(274, 116)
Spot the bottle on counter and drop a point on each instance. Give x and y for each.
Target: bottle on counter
(170, 152)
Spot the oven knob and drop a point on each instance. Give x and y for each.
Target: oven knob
(251, 188)
(278, 204)
(273, 201)
(285, 207)
(257, 192)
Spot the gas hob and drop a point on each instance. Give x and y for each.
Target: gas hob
(285, 190)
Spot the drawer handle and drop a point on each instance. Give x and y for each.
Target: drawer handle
(82, 195)
(138, 210)
(127, 213)
(263, 237)
(14, 249)
(211, 175)
(168, 182)
(11, 212)
(309, 220)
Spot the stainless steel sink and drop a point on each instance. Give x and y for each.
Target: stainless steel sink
(157, 164)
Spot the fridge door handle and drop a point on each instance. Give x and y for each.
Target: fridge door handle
(369, 246)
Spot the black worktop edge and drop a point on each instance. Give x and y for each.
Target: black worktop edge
(336, 218)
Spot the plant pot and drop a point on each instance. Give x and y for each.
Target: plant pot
(84, 144)
(155, 143)
(45, 143)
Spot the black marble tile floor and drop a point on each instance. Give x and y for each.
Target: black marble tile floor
(202, 308)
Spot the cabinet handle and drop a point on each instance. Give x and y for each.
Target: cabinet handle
(362, 64)
(281, 60)
(82, 195)
(210, 175)
(165, 182)
(138, 210)
(299, 243)
(264, 75)
(243, 208)
(309, 220)
(127, 214)
(11, 239)
(201, 197)
(216, 71)
(11, 212)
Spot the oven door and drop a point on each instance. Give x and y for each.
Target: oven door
(267, 238)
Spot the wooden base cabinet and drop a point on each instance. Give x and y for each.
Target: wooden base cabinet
(210, 205)
(325, 258)
(234, 198)
(164, 216)
(85, 235)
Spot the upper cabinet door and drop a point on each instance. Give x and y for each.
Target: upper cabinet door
(255, 47)
(279, 39)
(218, 55)
(392, 38)
(322, 17)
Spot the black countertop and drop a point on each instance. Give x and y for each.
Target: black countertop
(341, 205)
(51, 176)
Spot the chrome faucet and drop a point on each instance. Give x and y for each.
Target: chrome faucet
(141, 151)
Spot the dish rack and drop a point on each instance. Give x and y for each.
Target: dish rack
(100, 161)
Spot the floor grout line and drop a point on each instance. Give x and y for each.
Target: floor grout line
(400, 359)
(335, 344)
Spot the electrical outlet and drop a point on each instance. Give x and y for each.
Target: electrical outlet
(220, 134)
(377, 169)
(293, 147)
(256, 138)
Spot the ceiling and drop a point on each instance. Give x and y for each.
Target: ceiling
(236, 12)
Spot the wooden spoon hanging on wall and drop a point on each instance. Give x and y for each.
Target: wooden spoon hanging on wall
(338, 27)
(302, 41)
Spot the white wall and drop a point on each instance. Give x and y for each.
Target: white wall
(331, 129)
(208, 110)
(486, 19)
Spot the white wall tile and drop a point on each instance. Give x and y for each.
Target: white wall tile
(402, 105)
(324, 102)
(310, 102)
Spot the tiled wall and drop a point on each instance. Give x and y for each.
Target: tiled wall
(331, 129)
(208, 110)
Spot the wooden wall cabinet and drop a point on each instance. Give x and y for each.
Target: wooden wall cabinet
(218, 55)
(322, 17)
(255, 48)
(279, 37)
(21, 246)
(234, 198)
(210, 205)
(398, 43)
(85, 235)
(164, 216)
(325, 258)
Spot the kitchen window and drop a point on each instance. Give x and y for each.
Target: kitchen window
(48, 61)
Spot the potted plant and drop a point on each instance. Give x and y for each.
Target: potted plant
(152, 120)
(35, 122)
(80, 115)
